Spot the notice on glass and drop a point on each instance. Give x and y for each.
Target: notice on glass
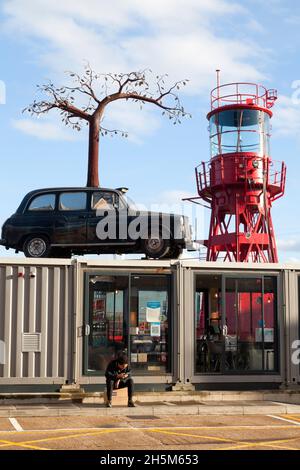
(134, 357)
(142, 357)
(231, 343)
(153, 312)
(155, 329)
(268, 335)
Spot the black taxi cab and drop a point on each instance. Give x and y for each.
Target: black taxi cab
(59, 222)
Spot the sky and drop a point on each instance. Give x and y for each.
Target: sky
(249, 40)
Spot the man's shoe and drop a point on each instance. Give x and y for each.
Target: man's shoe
(108, 404)
(131, 404)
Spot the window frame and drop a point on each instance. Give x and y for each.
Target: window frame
(36, 196)
(72, 210)
(115, 195)
(277, 324)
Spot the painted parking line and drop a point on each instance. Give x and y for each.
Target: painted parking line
(293, 417)
(20, 444)
(238, 444)
(233, 444)
(215, 438)
(31, 443)
(294, 421)
(15, 424)
(274, 444)
(56, 438)
(146, 428)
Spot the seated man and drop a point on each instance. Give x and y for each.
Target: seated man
(118, 376)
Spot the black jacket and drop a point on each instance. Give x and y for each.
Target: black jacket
(113, 370)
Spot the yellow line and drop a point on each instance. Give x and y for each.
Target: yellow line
(264, 444)
(197, 436)
(240, 444)
(291, 417)
(258, 444)
(243, 427)
(18, 444)
(72, 436)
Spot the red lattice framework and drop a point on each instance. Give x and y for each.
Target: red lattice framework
(240, 187)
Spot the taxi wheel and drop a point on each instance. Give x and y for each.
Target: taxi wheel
(156, 247)
(36, 246)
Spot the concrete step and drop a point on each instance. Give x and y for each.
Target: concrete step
(178, 397)
(143, 410)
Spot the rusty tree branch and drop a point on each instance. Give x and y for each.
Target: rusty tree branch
(134, 86)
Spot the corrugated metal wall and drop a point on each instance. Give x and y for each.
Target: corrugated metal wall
(36, 299)
(41, 299)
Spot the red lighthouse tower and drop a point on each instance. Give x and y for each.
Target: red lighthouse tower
(240, 182)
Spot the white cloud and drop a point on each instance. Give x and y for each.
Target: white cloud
(120, 115)
(287, 116)
(172, 196)
(127, 116)
(289, 245)
(179, 37)
(44, 129)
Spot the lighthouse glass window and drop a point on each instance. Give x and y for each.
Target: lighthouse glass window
(239, 130)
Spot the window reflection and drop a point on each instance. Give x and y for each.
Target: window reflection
(243, 130)
(107, 321)
(244, 338)
(137, 325)
(149, 324)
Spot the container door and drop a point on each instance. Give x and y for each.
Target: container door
(105, 330)
(249, 325)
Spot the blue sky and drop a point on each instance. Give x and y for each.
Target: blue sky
(249, 40)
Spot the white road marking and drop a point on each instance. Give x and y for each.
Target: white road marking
(168, 403)
(285, 419)
(15, 424)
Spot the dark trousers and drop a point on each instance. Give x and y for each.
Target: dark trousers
(122, 384)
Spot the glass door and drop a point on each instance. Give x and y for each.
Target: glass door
(249, 325)
(208, 324)
(149, 324)
(105, 331)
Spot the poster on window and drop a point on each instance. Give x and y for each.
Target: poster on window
(231, 343)
(155, 329)
(153, 311)
(268, 335)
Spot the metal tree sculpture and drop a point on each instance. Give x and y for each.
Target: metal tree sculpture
(99, 90)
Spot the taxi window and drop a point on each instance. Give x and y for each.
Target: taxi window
(103, 200)
(72, 201)
(45, 202)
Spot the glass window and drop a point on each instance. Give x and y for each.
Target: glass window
(208, 323)
(149, 324)
(107, 320)
(244, 130)
(137, 325)
(72, 201)
(46, 202)
(240, 334)
(250, 322)
(103, 200)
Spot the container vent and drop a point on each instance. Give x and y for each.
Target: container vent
(31, 342)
